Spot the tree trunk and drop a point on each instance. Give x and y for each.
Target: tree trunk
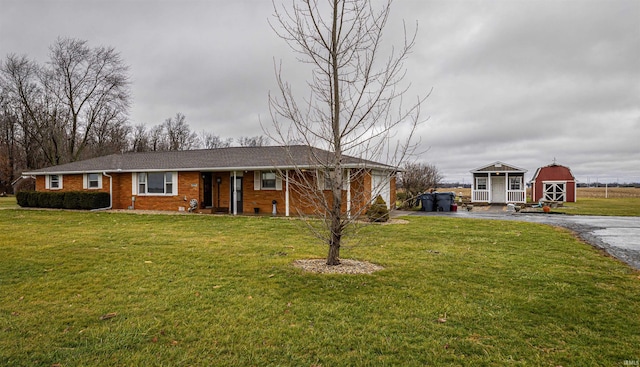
(333, 258)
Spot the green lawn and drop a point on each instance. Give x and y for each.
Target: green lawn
(198, 290)
(8, 202)
(600, 206)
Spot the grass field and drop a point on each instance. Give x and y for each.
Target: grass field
(8, 202)
(99, 289)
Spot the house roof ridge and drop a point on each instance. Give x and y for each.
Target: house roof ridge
(207, 159)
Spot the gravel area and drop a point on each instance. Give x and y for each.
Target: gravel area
(347, 266)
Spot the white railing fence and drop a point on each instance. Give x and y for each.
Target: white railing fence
(480, 195)
(516, 196)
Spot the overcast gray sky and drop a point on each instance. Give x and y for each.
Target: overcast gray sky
(522, 82)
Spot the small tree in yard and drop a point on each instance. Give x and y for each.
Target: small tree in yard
(419, 177)
(353, 107)
(378, 211)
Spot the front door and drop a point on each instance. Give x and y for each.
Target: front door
(498, 190)
(207, 189)
(236, 202)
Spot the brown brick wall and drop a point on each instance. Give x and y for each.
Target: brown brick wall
(71, 183)
(188, 188)
(261, 199)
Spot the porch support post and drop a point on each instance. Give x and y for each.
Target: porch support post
(235, 194)
(286, 193)
(489, 186)
(506, 186)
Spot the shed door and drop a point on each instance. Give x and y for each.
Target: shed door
(498, 190)
(555, 191)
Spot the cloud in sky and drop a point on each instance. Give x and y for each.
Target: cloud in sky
(522, 82)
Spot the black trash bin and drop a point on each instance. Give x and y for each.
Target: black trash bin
(427, 202)
(443, 201)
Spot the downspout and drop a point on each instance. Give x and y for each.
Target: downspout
(110, 193)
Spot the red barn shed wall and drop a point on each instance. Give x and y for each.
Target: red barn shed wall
(555, 173)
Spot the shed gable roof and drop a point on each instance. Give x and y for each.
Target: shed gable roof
(499, 167)
(556, 171)
(234, 158)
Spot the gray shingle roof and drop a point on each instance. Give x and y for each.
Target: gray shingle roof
(235, 158)
(499, 167)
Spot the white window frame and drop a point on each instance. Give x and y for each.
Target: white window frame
(49, 182)
(515, 179)
(264, 180)
(142, 178)
(486, 182)
(86, 182)
(258, 181)
(324, 179)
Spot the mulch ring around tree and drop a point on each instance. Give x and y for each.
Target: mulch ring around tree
(347, 266)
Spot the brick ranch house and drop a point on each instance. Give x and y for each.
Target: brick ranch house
(230, 180)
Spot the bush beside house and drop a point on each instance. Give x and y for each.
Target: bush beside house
(63, 200)
(378, 211)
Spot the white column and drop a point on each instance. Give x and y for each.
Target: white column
(489, 186)
(506, 186)
(234, 197)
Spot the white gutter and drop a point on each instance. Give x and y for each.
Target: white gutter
(110, 193)
(217, 169)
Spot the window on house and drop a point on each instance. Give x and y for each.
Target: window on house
(328, 178)
(481, 183)
(515, 183)
(160, 183)
(142, 183)
(55, 182)
(268, 180)
(93, 180)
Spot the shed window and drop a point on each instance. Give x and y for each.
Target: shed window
(515, 183)
(481, 183)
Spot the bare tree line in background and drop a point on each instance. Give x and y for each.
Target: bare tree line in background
(75, 107)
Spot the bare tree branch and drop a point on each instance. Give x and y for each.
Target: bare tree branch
(349, 109)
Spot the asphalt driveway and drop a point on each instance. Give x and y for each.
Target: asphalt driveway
(618, 236)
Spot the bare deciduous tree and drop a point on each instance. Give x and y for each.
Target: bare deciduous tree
(417, 178)
(140, 139)
(210, 140)
(63, 105)
(158, 140)
(253, 141)
(179, 134)
(354, 104)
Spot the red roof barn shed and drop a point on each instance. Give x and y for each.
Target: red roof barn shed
(553, 183)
